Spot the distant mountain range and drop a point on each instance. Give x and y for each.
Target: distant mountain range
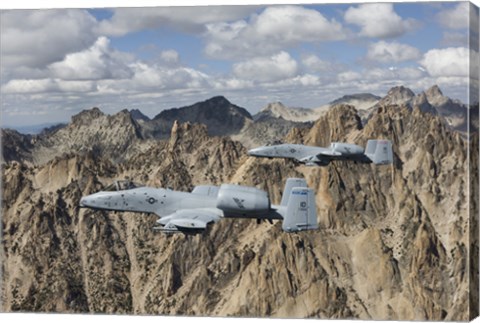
(225, 118)
(361, 101)
(36, 128)
(93, 128)
(430, 101)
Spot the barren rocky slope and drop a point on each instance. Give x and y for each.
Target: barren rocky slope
(115, 136)
(393, 241)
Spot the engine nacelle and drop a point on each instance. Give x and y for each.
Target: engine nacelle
(346, 149)
(242, 199)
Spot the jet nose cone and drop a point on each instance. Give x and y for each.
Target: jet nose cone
(85, 202)
(255, 151)
(82, 202)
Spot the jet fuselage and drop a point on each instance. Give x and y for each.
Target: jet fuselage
(192, 212)
(310, 154)
(163, 202)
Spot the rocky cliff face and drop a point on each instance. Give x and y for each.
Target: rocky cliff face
(393, 240)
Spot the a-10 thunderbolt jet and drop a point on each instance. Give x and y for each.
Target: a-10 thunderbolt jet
(378, 152)
(192, 212)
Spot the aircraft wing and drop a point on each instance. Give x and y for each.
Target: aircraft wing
(329, 153)
(336, 151)
(188, 221)
(207, 190)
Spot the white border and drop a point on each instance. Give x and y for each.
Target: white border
(45, 4)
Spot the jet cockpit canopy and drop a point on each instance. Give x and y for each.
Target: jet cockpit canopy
(121, 185)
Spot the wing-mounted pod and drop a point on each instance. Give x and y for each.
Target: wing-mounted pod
(242, 199)
(188, 221)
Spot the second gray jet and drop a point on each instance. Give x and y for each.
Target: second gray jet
(378, 152)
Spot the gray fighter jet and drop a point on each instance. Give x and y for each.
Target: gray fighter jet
(192, 212)
(378, 152)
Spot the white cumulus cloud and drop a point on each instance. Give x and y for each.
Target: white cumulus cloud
(392, 52)
(401, 75)
(378, 20)
(148, 78)
(188, 19)
(314, 63)
(232, 84)
(456, 17)
(300, 81)
(348, 76)
(97, 62)
(452, 61)
(47, 86)
(36, 38)
(270, 31)
(267, 69)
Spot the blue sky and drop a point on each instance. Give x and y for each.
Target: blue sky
(55, 63)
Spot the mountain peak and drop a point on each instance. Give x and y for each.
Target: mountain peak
(87, 116)
(274, 107)
(398, 95)
(220, 115)
(219, 99)
(421, 102)
(434, 91)
(436, 97)
(138, 115)
(401, 91)
(361, 101)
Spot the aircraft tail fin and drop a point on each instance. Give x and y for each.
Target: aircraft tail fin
(291, 183)
(301, 213)
(379, 151)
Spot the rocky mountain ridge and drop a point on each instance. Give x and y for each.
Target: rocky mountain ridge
(431, 101)
(361, 101)
(117, 136)
(279, 110)
(393, 241)
(221, 117)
